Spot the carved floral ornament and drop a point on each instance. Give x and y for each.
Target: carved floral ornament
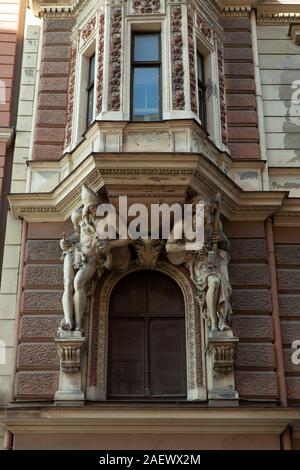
(114, 98)
(204, 27)
(145, 6)
(192, 65)
(177, 58)
(88, 29)
(99, 98)
(71, 91)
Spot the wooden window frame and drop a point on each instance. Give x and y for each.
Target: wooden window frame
(90, 89)
(146, 318)
(146, 64)
(201, 86)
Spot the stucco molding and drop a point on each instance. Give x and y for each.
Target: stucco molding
(289, 213)
(294, 33)
(148, 420)
(7, 135)
(278, 13)
(167, 175)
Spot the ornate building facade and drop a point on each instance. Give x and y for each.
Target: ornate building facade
(145, 344)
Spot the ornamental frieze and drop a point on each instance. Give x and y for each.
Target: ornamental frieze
(204, 27)
(100, 64)
(191, 43)
(71, 89)
(115, 59)
(88, 29)
(145, 6)
(177, 58)
(222, 93)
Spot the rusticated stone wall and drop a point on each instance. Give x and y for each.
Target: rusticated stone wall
(287, 249)
(41, 312)
(242, 117)
(255, 366)
(51, 117)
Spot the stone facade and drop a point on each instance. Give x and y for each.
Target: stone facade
(247, 152)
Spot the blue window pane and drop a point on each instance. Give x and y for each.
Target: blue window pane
(90, 107)
(146, 94)
(200, 67)
(146, 47)
(92, 70)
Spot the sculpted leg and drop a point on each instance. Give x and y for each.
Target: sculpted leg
(67, 300)
(84, 275)
(212, 299)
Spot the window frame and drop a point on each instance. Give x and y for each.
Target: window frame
(201, 85)
(145, 315)
(90, 88)
(146, 64)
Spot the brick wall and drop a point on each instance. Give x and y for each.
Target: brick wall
(255, 367)
(287, 248)
(53, 90)
(41, 312)
(243, 136)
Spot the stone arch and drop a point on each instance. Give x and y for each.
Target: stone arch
(196, 387)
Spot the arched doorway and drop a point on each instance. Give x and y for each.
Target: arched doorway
(146, 343)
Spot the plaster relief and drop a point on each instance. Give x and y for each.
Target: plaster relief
(114, 100)
(191, 43)
(99, 98)
(177, 58)
(71, 90)
(145, 6)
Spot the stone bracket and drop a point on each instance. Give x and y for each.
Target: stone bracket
(220, 360)
(70, 346)
(294, 33)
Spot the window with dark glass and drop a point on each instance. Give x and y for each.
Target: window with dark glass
(91, 91)
(146, 345)
(146, 77)
(201, 88)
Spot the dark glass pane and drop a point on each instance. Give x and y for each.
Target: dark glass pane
(165, 295)
(146, 94)
(129, 295)
(146, 47)
(200, 67)
(92, 70)
(126, 365)
(167, 356)
(90, 106)
(147, 347)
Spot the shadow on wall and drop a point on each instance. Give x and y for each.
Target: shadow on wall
(289, 94)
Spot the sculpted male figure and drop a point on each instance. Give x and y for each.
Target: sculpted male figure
(209, 269)
(83, 253)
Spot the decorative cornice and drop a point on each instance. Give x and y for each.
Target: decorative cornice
(236, 7)
(294, 33)
(66, 8)
(7, 135)
(166, 175)
(289, 213)
(278, 13)
(142, 419)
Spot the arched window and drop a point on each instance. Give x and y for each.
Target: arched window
(146, 349)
